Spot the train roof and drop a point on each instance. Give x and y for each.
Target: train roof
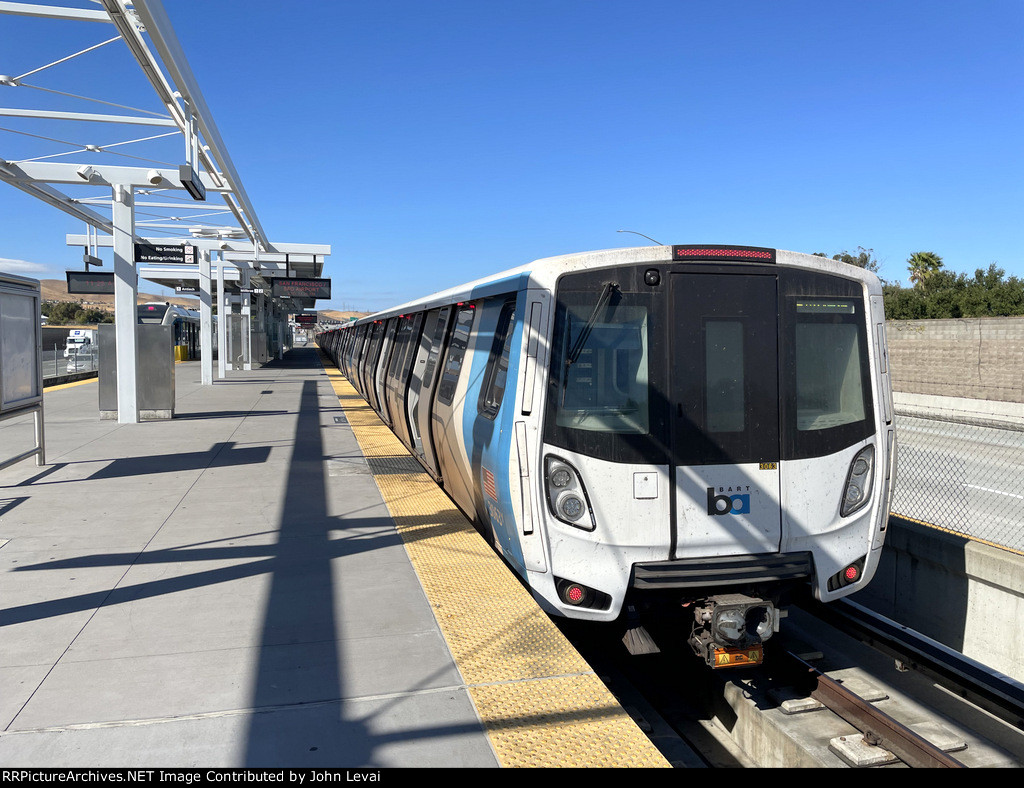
(545, 271)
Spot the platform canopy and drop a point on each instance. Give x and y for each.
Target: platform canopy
(105, 121)
(134, 115)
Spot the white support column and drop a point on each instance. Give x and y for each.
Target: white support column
(223, 316)
(279, 316)
(231, 332)
(246, 320)
(205, 320)
(126, 312)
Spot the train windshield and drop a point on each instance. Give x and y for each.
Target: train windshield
(600, 388)
(829, 375)
(826, 388)
(602, 382)
(716, 365)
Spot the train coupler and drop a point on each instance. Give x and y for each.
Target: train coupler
(730, 629)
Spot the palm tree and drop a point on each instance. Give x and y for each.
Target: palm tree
(922, 266)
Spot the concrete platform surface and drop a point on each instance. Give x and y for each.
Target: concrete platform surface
(225, 589)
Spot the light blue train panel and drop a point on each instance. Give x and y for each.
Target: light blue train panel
(491, 440)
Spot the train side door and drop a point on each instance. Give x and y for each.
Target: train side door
(424, 382)
(449, 409)
(725, 401)
(380, 377)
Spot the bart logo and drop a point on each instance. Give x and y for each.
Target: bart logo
(719, 504)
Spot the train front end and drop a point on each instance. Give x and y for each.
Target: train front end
(717, 434)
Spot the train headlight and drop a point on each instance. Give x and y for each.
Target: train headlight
(570, 506)
(567, 498)
(857, 491)
(560, 477)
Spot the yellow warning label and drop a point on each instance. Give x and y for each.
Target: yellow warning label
(734, 657)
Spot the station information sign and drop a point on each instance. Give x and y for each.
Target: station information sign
(301, 288)
(21, 378)
(305, 320)
(166, 253)
(88, 283)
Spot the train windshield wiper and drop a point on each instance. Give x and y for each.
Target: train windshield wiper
(581, 340)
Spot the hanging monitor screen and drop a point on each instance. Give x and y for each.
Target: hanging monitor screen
(302, 288)
(85, 283)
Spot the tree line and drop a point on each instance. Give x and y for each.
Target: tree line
(940, 293)
(70, 313)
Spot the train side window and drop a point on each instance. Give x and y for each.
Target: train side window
(388, 347)
(412, 345)
(370, 363)
(437, 339)
(496, 374)
(456, 354)
(405, 328)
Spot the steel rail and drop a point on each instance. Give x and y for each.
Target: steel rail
(1000, 695)
(879, 728)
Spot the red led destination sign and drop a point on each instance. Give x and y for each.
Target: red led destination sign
(746, 253)
(305, 320)
(301, 288)
(86, 283)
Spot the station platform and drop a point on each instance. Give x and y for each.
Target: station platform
(269, 580)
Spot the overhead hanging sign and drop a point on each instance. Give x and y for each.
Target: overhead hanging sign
(88, 283)
(305, 320)
(301, 288)
(166, 253)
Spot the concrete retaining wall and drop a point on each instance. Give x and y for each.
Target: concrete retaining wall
(974, 358)
(967, 595)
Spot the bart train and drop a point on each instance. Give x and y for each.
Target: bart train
(184, 323)
(691, 434)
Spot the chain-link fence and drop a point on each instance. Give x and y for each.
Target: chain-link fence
(56, 364)
(965, 478)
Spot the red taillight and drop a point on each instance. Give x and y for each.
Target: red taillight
(851, 573)
(574, 594)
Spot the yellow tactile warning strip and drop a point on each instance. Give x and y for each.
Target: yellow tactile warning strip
(540, 702)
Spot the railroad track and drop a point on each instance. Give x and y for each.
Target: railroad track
(847, 692)
(880, 739)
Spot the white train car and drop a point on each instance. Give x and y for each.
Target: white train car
(685, 434)
(185, 324)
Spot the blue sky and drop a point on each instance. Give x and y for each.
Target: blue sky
(434, 143)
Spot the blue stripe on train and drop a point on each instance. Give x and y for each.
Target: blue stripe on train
(491, 442)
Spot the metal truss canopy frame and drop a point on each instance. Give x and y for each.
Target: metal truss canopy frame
(146, 31)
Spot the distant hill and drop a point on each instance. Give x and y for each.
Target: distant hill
(342, 316)
(57, 290)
